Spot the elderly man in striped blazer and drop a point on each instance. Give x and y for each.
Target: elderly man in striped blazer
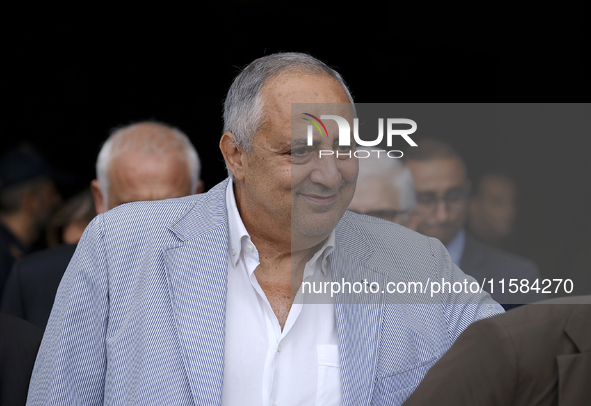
(213, 299)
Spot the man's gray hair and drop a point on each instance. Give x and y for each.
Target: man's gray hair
(161, 138)
(243, 107)
(392, 170)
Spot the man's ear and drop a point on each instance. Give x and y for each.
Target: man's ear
(200, 187)
(97, 195)
(232, 155)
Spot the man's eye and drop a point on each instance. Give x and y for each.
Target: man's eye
(345, 148)
(425, 199)
(299, 152)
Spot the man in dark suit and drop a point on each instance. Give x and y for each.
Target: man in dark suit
(143, 161)
(19, 343)
(443, 189)
(32, 284)
(535, 355)
(485, 262)
(28, 195)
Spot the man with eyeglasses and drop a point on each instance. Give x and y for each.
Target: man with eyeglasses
(442, 192)
(384, 189)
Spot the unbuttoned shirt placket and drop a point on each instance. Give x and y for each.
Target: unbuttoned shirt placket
(268, 366)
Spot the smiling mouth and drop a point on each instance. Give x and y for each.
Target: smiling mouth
(321, 200)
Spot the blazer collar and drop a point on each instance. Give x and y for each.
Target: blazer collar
(196, 271)
(577, 327)
(574, 370)
(208, 212)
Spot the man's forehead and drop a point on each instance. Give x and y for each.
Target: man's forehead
(280, 93)
(288, 96)
(140, 167)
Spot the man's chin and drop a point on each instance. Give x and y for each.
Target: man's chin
(313, 226)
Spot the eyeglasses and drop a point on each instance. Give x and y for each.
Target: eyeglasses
(390, 215)
(455, 200)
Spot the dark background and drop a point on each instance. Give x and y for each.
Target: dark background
(70, 75)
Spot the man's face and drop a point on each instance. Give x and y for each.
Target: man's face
(376, 196)
(48, 200)
(442, 188)
(284, 178)
(135, 177)
(494, 209)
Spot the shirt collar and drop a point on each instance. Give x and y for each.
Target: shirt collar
(237, 233)
(456, 247)
(236, 228)
(321, 255)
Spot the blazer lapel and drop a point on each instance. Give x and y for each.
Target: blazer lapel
(358, 319)
(574, 370)
(196, 270)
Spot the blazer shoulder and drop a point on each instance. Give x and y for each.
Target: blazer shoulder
(525, 325)
(145, 212)
(381, 231)
(155, 220)
(380, 242)
(547, 313)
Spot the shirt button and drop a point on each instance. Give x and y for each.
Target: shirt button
(250, 248)
(280, 348)
(234, 252)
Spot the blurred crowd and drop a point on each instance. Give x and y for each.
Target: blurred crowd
(108, 299)
(428, 191)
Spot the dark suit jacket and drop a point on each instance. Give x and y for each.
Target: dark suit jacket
(482, 260)
(19, 343)
(33, 282)
(535, 355)
(10, 246)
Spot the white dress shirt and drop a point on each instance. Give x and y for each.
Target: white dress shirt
(264, 365)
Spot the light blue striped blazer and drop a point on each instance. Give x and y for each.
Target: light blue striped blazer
(139, 315)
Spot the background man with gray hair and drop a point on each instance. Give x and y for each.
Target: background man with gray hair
(142, 161)
(199, 301)
(385, 188)
(145, 161)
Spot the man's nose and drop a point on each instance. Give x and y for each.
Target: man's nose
(441, 212)
(326, 172)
